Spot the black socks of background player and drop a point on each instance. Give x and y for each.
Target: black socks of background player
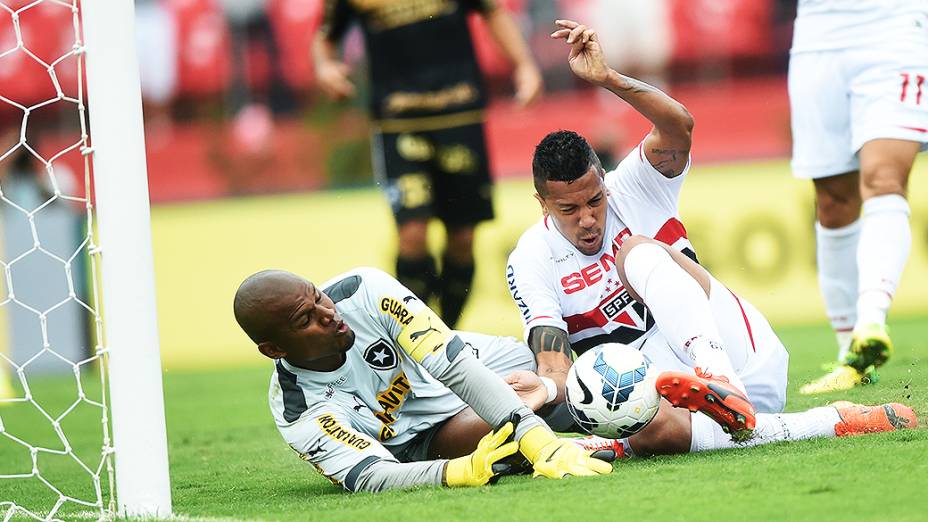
(421, 276)
(455, 284)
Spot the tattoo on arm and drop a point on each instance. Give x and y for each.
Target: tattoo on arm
(633, 86)
(673, 124)
(548, 339)
(669, 157)
(552, 352)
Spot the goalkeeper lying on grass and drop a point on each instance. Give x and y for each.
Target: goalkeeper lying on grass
(376, 392)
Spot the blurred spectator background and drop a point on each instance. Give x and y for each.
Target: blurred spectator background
(231, 108)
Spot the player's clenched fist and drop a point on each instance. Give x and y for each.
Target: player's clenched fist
(476, 469)
(557, 458)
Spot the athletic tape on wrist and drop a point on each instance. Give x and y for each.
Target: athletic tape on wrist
(551, 386)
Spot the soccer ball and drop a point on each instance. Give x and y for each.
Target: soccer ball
(610, 391)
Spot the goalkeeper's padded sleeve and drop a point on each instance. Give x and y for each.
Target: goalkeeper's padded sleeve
(484, 391)
(381, 475)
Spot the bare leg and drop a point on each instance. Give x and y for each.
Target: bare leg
(412, 238)
(458, 435)
(885, 167)
(837, 199)
(460, 244)
(668, 433)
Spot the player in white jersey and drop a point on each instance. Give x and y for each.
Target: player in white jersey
(369, 384)
(857, 87)
(610, 262)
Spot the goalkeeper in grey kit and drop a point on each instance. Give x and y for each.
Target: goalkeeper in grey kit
(374, 390)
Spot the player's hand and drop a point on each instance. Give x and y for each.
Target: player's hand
(528, 83)
(555, 458)
(528, 387)
(586, 54)
(476, 469)
(333, 79)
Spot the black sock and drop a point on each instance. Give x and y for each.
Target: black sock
(418, 275)
(455, 285)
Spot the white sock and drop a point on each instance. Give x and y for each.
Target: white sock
(680, 308)
(771, 427)
(836, 252)
(885, 243)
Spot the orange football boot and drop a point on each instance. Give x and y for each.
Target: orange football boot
(857, 419)
(714, 396)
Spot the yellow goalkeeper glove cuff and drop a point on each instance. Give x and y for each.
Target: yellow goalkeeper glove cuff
(476, 469)
(557, 458)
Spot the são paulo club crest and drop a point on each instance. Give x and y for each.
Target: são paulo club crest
(381, 356)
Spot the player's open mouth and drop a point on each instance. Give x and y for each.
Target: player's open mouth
(341, 328)
(589, 241)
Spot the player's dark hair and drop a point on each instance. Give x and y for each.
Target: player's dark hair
(562, 156)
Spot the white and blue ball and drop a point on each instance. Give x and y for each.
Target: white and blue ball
(610, 391)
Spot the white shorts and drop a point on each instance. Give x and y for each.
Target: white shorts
(503, 355)
(844, 98)
(757, 355)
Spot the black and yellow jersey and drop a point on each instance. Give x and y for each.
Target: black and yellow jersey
(422, 60)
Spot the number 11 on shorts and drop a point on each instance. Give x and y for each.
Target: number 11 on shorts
(919, 82)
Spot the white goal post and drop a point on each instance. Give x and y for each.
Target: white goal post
(128, 285)
(52, 464)
(61, 433)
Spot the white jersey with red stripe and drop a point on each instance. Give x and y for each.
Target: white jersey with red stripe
(829, 25)
(554, 284)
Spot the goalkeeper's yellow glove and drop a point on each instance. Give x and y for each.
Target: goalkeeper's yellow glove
(476, 469)
(557, 458)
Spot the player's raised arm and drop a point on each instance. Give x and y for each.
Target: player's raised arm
(667, 146)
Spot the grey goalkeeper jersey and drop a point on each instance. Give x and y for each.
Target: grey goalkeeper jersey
(403, 375)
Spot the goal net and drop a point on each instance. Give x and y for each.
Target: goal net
(72, 154)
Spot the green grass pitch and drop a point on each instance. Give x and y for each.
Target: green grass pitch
(228, 461)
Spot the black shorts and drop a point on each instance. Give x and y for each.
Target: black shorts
(441, 173)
